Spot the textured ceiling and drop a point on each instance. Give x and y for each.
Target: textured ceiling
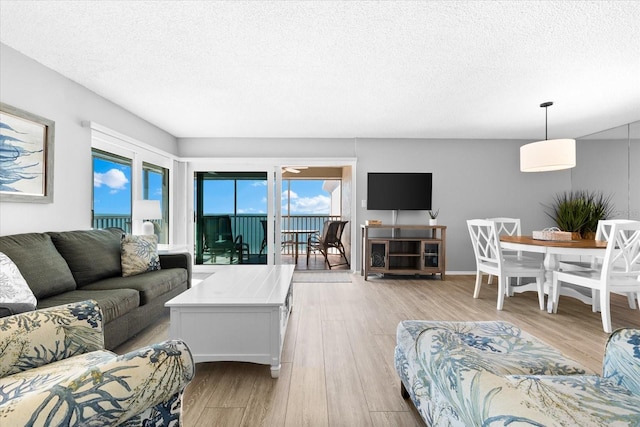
(435, 69)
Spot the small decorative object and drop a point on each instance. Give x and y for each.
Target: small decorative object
(377, 259)
(146, 210)
(373, 222)
(433, 215)
(26, 164)
(553, 233)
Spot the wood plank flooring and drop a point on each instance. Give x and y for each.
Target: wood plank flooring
(338, 366)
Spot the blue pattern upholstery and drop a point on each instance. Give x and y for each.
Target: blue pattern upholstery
(54, 371)
(493, 373)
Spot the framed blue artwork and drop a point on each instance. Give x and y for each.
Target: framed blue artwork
(26, 156)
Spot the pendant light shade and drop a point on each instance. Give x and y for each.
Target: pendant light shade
(548, 155)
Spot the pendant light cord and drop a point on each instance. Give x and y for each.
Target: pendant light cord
(546, 105)
(546, 115)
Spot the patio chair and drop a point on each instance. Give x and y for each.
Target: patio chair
(219, 240)
(263, 244)
(331, 238)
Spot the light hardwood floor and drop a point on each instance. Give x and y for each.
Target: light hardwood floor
(338, 355)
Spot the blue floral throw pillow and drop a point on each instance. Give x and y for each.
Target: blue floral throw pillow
(139, 254)
(15, 294)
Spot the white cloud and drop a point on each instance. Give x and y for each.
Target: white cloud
(310, 205)
(291, 194)
(113, 178)
(250, 211)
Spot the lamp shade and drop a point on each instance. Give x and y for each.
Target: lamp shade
(147, 209)
(548, 155)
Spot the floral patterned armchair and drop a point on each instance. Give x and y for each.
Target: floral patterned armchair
(493, 373)
(54, 371)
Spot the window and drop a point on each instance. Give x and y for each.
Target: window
(126, 170)
(111, 191)
(155, 186)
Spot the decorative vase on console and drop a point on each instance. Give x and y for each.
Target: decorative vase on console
(433, 217)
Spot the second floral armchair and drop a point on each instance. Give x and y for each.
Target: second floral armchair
(54, 371)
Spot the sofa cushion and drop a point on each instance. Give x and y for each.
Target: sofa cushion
(41, 265)
(139, 254)
(91, 254)
(113, 303)
(15, 295)
(150, 285)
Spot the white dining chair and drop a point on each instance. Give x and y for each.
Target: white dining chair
(602, 233)
(620, 271)
(490, 260)
(511, 227)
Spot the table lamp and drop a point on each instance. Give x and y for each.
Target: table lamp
(146, 210)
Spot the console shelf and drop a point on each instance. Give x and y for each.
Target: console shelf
(403, 249)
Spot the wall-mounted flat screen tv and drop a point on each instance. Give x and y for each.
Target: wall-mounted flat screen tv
(398, 191)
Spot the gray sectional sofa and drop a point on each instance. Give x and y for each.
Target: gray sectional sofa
(72, 266)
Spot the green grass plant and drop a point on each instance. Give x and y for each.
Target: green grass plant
(579, 211)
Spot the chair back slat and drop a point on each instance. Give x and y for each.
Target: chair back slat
(604, 227)
(507, 226)
(485, 241)
(332, 232)
(622, 256)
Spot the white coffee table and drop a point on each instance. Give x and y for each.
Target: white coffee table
(238, 314)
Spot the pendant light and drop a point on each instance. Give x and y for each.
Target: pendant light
(548, 155)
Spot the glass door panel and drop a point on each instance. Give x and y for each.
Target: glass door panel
(230, 216)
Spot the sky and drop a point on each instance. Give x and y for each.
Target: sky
(112, 193)
(306, 197)
(111, 188)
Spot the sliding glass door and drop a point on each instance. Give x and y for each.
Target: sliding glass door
(231, 212)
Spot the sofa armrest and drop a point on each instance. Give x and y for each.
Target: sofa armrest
(36, 338)
(179, 260)
(146, 383)
(622, 359)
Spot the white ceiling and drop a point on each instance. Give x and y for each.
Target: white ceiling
(432, 69)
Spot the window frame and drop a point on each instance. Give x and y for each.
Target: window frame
(111, 142)
(116, 159)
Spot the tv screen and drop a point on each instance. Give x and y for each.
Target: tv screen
(401, 191)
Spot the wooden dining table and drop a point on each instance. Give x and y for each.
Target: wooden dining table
(552, 249)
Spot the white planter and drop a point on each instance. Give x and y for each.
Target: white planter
(433, 221)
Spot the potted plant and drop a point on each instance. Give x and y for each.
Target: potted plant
(579, 211)
(433, 215)
(601, 208)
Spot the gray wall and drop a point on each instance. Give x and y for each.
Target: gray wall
(471, 179)
(609, 161)
(28, 85)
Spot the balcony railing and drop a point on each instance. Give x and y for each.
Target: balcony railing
(249, 226)
(112, 220)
